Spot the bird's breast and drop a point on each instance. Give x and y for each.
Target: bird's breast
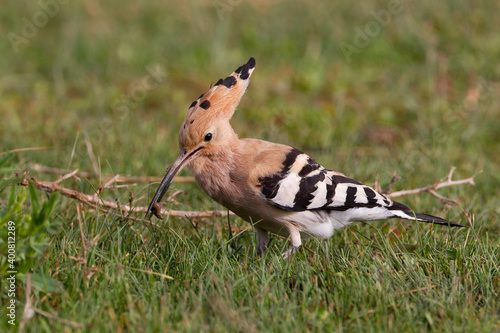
(220, 179)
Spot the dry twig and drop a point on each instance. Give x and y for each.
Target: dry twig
(66, 176)
(105, 177)
(93, 160)
(432, 188)
(20, 150)
(84, 242)
(28, 307)
(29, 310)
(96, 202)
(388, 188)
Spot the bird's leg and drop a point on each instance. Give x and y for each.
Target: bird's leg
(262, 240)
(295, 242)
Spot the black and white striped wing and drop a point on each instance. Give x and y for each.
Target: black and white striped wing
(302, 184)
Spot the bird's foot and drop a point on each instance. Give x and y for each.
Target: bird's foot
(291, 250)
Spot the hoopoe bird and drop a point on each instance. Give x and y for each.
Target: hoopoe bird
(275, 187)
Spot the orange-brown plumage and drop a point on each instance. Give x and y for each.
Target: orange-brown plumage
(275, 187)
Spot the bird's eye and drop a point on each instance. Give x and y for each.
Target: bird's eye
(208, 137)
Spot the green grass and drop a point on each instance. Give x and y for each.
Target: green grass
(420, 98)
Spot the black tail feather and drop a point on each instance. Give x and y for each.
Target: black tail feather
(408, 214)
(436, 220)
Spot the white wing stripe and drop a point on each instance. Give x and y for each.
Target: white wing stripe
(287, 190)
(319, 199)
(340, 195)
(360, 195)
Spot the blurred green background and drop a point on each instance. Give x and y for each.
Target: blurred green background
(408, 88)
(369, 88)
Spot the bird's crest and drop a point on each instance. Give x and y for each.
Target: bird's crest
(223, 98)
(218, 104)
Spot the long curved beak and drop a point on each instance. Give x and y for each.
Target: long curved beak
(184, 158)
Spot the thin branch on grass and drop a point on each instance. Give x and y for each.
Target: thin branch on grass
(148, 271)
(87, 271)
(20, 150)
(111, 181)
(413, 290)
(93, 160)
(61, 320)
(388, 188)
(83, 259)
(29, 310)
(432, 188)
(105, 177)
(66, 176)
(96, 201)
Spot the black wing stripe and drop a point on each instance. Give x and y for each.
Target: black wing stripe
(311, 187)
(309, 167)
(330, 193)
(370, 194)
(350, 196)
(270, 184)
(308, 186)
(339, 179)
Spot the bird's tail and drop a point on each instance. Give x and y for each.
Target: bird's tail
(410, 215)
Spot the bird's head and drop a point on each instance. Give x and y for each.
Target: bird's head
(206, 127)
